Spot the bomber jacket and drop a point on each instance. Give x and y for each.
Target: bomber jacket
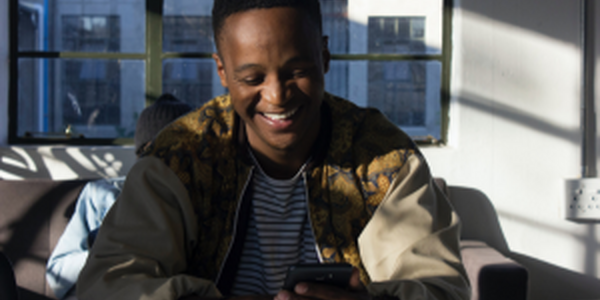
(177, 227)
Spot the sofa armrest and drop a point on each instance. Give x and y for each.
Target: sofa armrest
(493, 276)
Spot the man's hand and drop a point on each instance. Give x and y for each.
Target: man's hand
(306, 291)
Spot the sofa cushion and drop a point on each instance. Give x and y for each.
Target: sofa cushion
(33, 215)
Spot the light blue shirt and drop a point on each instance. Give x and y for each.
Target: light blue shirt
(70, 254)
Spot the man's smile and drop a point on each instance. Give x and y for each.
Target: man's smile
(280, 116)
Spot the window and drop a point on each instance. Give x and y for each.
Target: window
(189, 30)
(187, 33)
(86, 69)
(80, 69)
(91, 87)
(391, 55)
(396, 35)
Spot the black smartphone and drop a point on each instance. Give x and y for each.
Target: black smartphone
(337, 274)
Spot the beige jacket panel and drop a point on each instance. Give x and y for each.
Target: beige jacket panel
(143, 246)
(410, 246)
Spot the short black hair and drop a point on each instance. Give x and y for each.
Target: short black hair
(225, 8)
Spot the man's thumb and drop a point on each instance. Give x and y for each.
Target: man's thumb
(355, 283)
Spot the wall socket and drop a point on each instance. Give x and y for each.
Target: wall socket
(582, 199)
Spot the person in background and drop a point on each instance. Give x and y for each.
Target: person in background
(275, 173)
(97, 197)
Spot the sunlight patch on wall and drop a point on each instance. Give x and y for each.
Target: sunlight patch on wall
(64, 163)
(58, 169)
(520, 67)
(108, 163)
(9, 176)
(81, 159)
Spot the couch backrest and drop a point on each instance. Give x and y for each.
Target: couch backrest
(33, 215)
(477, 213)
(478, 216)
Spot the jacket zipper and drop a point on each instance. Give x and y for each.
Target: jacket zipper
(310, 219)
(235, 224)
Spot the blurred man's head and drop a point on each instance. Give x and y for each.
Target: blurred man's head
(155, 117)
(272, 58)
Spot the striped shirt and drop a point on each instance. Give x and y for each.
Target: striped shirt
(279, 234)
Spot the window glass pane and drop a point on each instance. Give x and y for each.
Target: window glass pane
(336, 80)
(187, 26)
(412, 27)
(408, 93)
(93, 98)
(82, 26)
(397, 35)
(335, 24)
(194, 81)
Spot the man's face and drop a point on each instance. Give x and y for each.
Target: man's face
(273, 62)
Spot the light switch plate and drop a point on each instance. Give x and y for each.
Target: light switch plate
(582, 199)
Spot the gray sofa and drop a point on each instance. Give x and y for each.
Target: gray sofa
(34, 213)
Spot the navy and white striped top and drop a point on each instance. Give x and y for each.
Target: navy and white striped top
(279, 234)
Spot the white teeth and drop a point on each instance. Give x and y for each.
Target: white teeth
(283, 116)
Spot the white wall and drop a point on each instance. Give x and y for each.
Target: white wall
(514, 134)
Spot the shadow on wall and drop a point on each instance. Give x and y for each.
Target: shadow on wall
(63, 163)
(517, 116)
(546, 281)
(519, 14)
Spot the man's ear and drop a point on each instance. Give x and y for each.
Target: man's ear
(326, 54)
(220, 69)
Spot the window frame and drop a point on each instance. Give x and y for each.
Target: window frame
(444, 58)
(154, 57)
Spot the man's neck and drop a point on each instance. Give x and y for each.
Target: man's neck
(283, 166)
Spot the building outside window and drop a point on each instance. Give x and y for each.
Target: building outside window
(87, 68)
(190, 80)
(91, 88)
(388, 55)
(335, 26)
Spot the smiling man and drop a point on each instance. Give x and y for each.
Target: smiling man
(276, 173)
(273, 61)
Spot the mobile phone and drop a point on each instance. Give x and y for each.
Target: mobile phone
(337, 274)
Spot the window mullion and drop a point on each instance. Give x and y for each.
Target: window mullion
(92, 55)
(446, 67)
(154, 41)
(385, 57)
(168, 55)
(13, 84)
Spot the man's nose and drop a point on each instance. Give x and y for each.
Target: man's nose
(275, 92)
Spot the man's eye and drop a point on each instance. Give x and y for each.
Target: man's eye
(253, 80)
(300, 73)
